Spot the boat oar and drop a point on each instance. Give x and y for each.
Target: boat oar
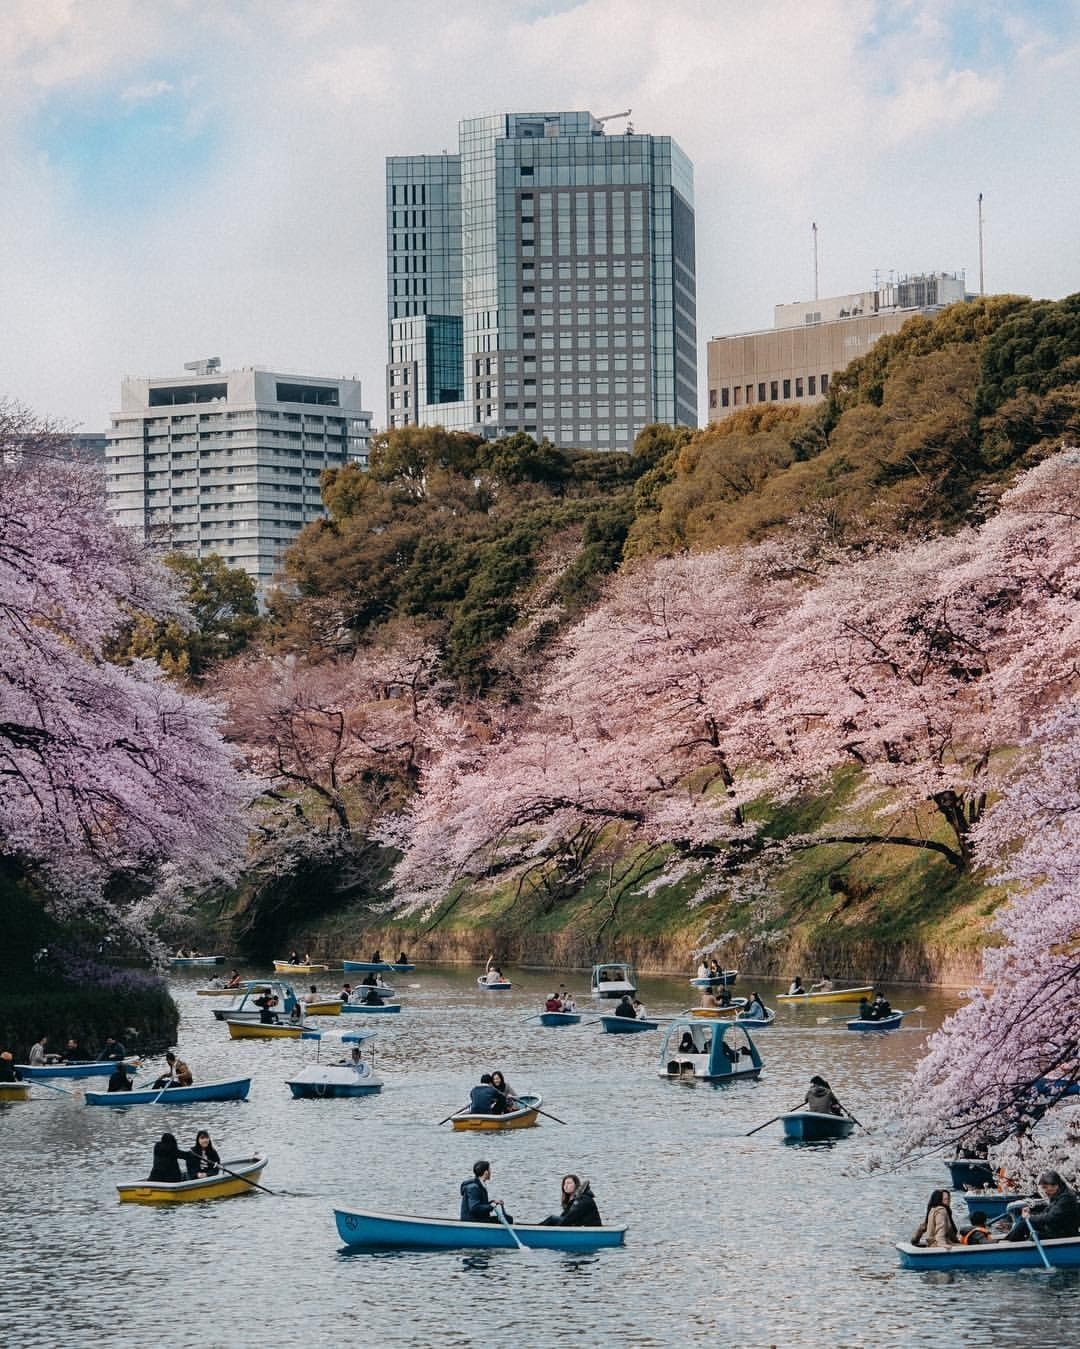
(501, 1215)
(772, 1121)
(851, 1117)
(548, 1116)
(525, 1107)
(237, 1176)
(1038, 1245)
(38, 1082)
(535, 1016)
(461, 1111)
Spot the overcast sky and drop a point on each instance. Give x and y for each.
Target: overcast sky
(186, 178)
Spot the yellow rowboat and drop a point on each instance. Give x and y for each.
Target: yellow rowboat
(832, 995)
(258, 1030)
(324, 1007)
(14, 1091)
(714, 1013)
(284, 967)
(221, 1186)
(522, 1118)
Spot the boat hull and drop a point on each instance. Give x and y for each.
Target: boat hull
(14, 1091)
(185, 962)
(559, 1018)
(626, 1025)
(221, 1186)
(366, 966)
(327, 1007)
(757, 1021)
(811, 1126)
(329, 1091)
(256, 1030)
(834, 995)
(393, 1231)
(970, 1173)
(500, 986)
(728, 977)
(994, 1202)
(719, 1013)
(883, 1023)
(351, 1008)
(236, 1089)
(331, 1081)
(524, 1118)
(1062, 1252)
(104, 1069)
(284, 967)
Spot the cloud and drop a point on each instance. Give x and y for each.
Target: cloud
(144, 93)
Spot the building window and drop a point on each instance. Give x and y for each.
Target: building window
(749, 394)
(774, 390)
(787, 388)
(824, 384)
(761, 393)
(712, 398)
(811, 384)
(725, 397)
(798, 386)
(738, 395)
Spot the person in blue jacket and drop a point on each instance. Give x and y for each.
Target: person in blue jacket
(485, 1099)
(476, 1207)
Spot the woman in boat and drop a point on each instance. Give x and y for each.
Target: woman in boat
(567, 1000)
(203, 1158)
(686, 1044)
(639, 1010)
(370, 979)
(937, 1228)
(167, 1160)
(376, 957)
(755, 1008)
(372, 999)
(881, 1007)
(578, 1208)
(509, 1098)
(183, 1074)
(120, 1079)
(402, 958)
(796, 989)
(820, 1098)
(702, 970)
(626, 1008)
(1058, 1215)
(553, 1003)
(866, 1010)
(294, 959)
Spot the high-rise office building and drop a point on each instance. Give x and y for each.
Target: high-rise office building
(228, 461)
(542, 280)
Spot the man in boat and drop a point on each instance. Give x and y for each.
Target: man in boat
(725, 995)
(476, 1207)
(881, 1007)
(294, 958)
(346, 992)
(485, 1100)
(312, 995)
(822, 986)
(8, 1071)
(1057, 1216)
(74, 1052)
(120, 1078)
(796, 989)
(233, 980)
(708, 999)
(820, 1098)
(376, 957)
(402, 959)
(112, 1051)
(567, 999)
(626, 1007)
(37, 1052)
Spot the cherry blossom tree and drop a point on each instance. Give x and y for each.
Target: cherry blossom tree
(112, 781)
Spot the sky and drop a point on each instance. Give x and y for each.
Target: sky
(190, 178)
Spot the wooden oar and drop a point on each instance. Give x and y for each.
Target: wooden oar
(772, 1121)
(1038, 1245)
(527, 1107)
(501, 1215)
(851, 1117)
(460, 1111)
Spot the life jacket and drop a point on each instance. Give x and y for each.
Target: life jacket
(965, 1240)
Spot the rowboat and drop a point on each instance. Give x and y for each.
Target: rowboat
(522, 1118)
(319, 1081)
(496, 984)
(891, 1022)
(744, 1020)
(626, 1025)
(221, 1186)
(970, 1173)
(832, 995)
(695, 1051)
(811, 1126)
(394, 1231)
(287, 967)
(186, 961)
(324, 1007)
(234, 992)
(14, 1091)
(95, 1069)
(260, 1030)
(725, 977)
(712, 1013)
(993, 1203)
(612, 980)
(1062, 1253)
(368, 966)
(371, 1007)
(245, 1008)
(558, 1018)
(235, 1089)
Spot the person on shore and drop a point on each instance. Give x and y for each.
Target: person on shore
(120, 1078)
(1058, 1215)
(476, 1206)
(578, 1206)
(112, 1051)
(484, 1099)
(8, 1071)
(203, 1158)
(167, 1155)
(38, 1052)
(977, 1233)
(626, 1007)
(505, 1090)
(937, 1227)
(796, 989)
(820, 1099)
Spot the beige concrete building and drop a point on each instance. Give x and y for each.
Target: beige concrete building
(793, 361)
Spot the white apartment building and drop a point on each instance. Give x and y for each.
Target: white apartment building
(228, 461)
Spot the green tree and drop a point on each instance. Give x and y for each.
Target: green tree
(1035, 350)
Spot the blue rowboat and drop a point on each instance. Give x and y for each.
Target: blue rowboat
(810, 1126)
(995, 1202)
(402, 966)
(626, 1025)
(236, 1089)
(96, 1069)
(394, 1231)
(184, 962)
(882, 1023)
(496, 984)
(558, 1018)
(700, 1050)
(970, 1173)
(1062, 1252)
(330, 1081)
(367, 966)
(725, 977)
(766, 1020)
(354, 1007)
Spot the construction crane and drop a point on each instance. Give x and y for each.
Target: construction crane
(615, 116)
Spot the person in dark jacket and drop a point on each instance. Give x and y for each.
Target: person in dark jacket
(112, 1051)
(476, 1207)
(820, 1098)
(8, 1071)
(578, 1206)
(626, 1007)
(120, 1079)
(484, 1099)
(866, 1010)
(166, 1160)
(203, 1158)
(372, 999)
(1057, 1216)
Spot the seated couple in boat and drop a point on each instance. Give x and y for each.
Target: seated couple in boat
(877, 1010)
(201, 1160)
(294, 958)
(493, 1096)
(176, 1074)
(577, 1206)
(233, 981)
(722, 998)
(559, 1002)
(631, 1007)
(492, 973)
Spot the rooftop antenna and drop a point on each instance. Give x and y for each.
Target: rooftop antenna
(813, 228)
(982, 287)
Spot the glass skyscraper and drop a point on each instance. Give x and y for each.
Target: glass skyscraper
(542, 280)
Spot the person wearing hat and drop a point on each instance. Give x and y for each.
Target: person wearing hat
(8, 1071)
(820, 1098)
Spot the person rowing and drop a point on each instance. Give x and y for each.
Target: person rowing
(1056, 1215)
(822, 986)
(233, 980)
(476, 1206)
(820, 1099)
(484, 1099)
(167, 1156)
